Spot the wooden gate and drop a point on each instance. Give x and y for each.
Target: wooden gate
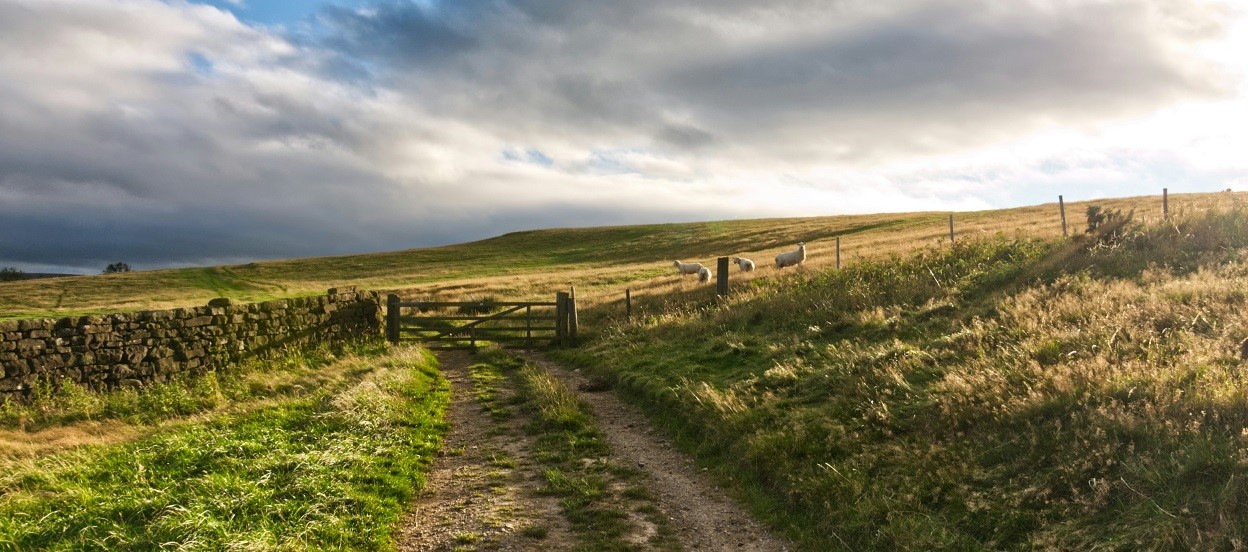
(468, 324)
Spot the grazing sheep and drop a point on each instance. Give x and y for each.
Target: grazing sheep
(704, 275)
(687, 268)
(792, 257)
(745, 264)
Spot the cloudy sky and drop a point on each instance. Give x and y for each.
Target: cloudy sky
(174, 133)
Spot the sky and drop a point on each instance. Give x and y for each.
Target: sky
(181, 133)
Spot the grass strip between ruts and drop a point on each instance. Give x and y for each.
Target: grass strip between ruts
(601, 498)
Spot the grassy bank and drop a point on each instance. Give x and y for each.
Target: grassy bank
(280, 465)
(1001, 394)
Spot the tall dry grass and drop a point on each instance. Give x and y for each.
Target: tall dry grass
(1000, 394)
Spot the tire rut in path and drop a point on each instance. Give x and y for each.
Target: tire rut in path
(703, 516)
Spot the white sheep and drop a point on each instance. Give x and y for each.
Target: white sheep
(792, 257)
(705, 274)
(687, 268)
(745, 264)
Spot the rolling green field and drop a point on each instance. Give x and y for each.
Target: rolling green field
(601, 262)
(1017, 390)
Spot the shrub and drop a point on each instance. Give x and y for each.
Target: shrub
(1098, 217)
(116, 267)
(9, 274)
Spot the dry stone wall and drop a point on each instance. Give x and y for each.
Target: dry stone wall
(118, 350)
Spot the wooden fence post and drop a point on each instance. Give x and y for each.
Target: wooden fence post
(950, 227)
(838, 252)
(1165, 203)
(628, 304)
(392, 318)
(721, 277)
(572, 320)
(561, 316)
(1061, 206)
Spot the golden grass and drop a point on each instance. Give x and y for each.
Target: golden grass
(16, 445)
(1096, 402)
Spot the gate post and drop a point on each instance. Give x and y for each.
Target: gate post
(392, 318)
(528, 327)
(561, 317)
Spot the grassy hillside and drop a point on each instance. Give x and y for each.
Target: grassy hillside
(600, 261)
(1005, 393)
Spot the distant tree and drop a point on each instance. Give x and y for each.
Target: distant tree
(116, 267)
(9, 274)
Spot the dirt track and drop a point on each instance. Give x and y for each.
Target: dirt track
(483, 491)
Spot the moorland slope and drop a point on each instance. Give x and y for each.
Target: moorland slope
(601, 261)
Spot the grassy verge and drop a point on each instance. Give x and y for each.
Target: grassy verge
(599, 497)
(978, 397)
(329, 470)
(296, 374)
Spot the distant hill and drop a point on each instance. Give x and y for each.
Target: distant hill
(533, 263)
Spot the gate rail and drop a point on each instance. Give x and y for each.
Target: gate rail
(519, 325)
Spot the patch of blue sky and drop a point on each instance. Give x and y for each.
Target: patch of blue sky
(531, 156)
(199, 63)
(285, 13)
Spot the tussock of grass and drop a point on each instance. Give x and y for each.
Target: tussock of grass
(1000, 394)
(326, 471)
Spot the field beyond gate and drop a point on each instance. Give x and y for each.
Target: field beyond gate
(465, 324)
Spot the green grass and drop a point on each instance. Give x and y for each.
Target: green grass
(1000, 394)
(295, 374)
(596, 494)
(325, 471)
